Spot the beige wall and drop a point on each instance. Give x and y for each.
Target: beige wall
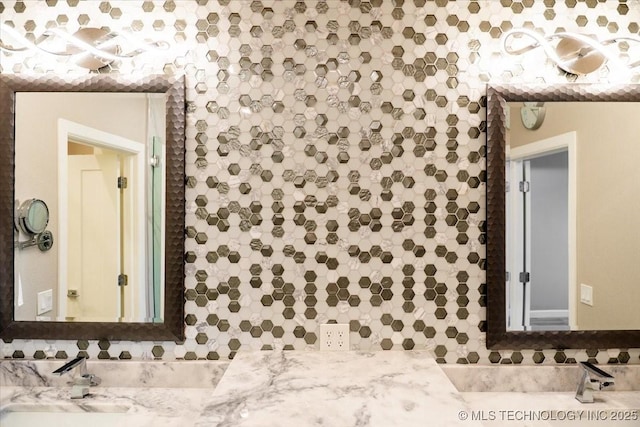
(36, 172)
(608, 202)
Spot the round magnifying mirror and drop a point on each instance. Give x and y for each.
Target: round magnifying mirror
(33, 216)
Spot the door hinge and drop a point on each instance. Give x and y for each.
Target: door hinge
(507, 276)
(507, 186)
(524, 186)
(155, 161)
(123, 280)
(525, 277)
(122, 182)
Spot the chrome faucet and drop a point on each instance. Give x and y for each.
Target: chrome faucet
(82, 380)
(592, 378)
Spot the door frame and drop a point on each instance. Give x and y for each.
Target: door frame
(135, 163)
(563, 142)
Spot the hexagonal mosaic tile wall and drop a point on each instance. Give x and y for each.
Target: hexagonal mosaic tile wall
(335, 164)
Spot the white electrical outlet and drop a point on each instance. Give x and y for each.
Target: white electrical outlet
(334, 337)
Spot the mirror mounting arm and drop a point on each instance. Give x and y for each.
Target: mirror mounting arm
(44, 241)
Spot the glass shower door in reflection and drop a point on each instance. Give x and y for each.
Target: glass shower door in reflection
(156, 238)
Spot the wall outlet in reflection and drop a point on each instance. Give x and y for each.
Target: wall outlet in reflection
(586, 294)
(334, 337)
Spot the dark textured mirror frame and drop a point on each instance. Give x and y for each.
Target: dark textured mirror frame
(497, 335)
(173, 326)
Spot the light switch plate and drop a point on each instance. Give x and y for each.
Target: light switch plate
(586, 294)
(45, 301)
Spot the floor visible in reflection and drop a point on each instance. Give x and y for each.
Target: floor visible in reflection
(549, 324)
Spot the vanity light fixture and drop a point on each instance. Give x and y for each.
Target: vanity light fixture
(573, 53)
(90, 48)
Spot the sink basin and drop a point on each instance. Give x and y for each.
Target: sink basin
(532, 379)
(506, 395)
(20, 415)
(63, 419)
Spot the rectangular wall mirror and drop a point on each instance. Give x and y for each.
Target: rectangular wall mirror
(561, 203)
(94, 198)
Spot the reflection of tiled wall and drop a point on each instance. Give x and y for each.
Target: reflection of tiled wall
(335, 162)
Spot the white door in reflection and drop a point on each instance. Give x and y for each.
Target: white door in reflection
(538, 237)
(94, 215)
(101, 264)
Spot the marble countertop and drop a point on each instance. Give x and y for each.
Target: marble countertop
(397, 388)
(274, 388)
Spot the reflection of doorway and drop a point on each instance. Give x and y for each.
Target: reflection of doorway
(541, 235)
(102, 227)
(94, 210)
